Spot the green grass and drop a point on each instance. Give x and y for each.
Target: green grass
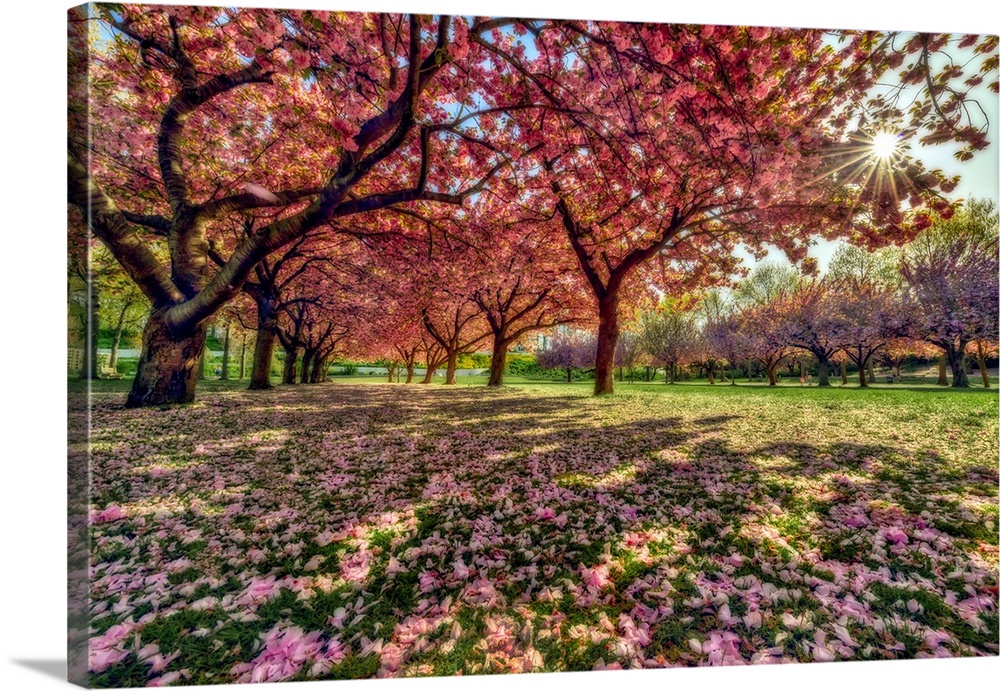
(658, 483)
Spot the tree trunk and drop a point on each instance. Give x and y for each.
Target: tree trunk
(569, 375)
(291, 361)
(225, 356)
(452, 366)
(772, 378)
(116, 339)
(956, 359)
(942, 370)
(392, 371)
(824, 370)
(843, 372)
(607, 342)
(318, 370)
(862, 379)
(871, 370)
(90, 368)
(263, 350)
(243, 356)
(429, 374)
(711, 373)
(409, 372)
(168, 366)
(201, 362)
(307, 358)
(498, 361)
(263, 353)
(981, 361)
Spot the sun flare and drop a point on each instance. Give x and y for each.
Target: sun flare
(884, 145)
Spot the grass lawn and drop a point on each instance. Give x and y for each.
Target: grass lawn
(357, 528)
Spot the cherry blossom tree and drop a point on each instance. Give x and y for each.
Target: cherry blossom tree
(809, 318)
(660, 148)
(672, 144)
(668, 336)
(568, 350)
(203, 113)
(952, 275)
(628, 353)
(872, 316)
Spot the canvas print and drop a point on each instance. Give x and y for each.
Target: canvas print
(407, 345)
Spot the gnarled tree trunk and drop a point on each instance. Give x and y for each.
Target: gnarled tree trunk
(168, 366)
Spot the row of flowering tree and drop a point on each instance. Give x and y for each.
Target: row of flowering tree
(206, 141)
(937, 293)
(939, 290)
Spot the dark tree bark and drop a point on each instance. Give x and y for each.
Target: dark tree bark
(169, 364)
(409, 372)
(291, 361)
(824, 371)
(307, 362)
(243, 356)
(510, 318)
(956, 360)
(607, 342)
(263, 351)
(225, 356)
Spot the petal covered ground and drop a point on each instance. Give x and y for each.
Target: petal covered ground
(355, 530)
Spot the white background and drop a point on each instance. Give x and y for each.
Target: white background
(32, 340)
